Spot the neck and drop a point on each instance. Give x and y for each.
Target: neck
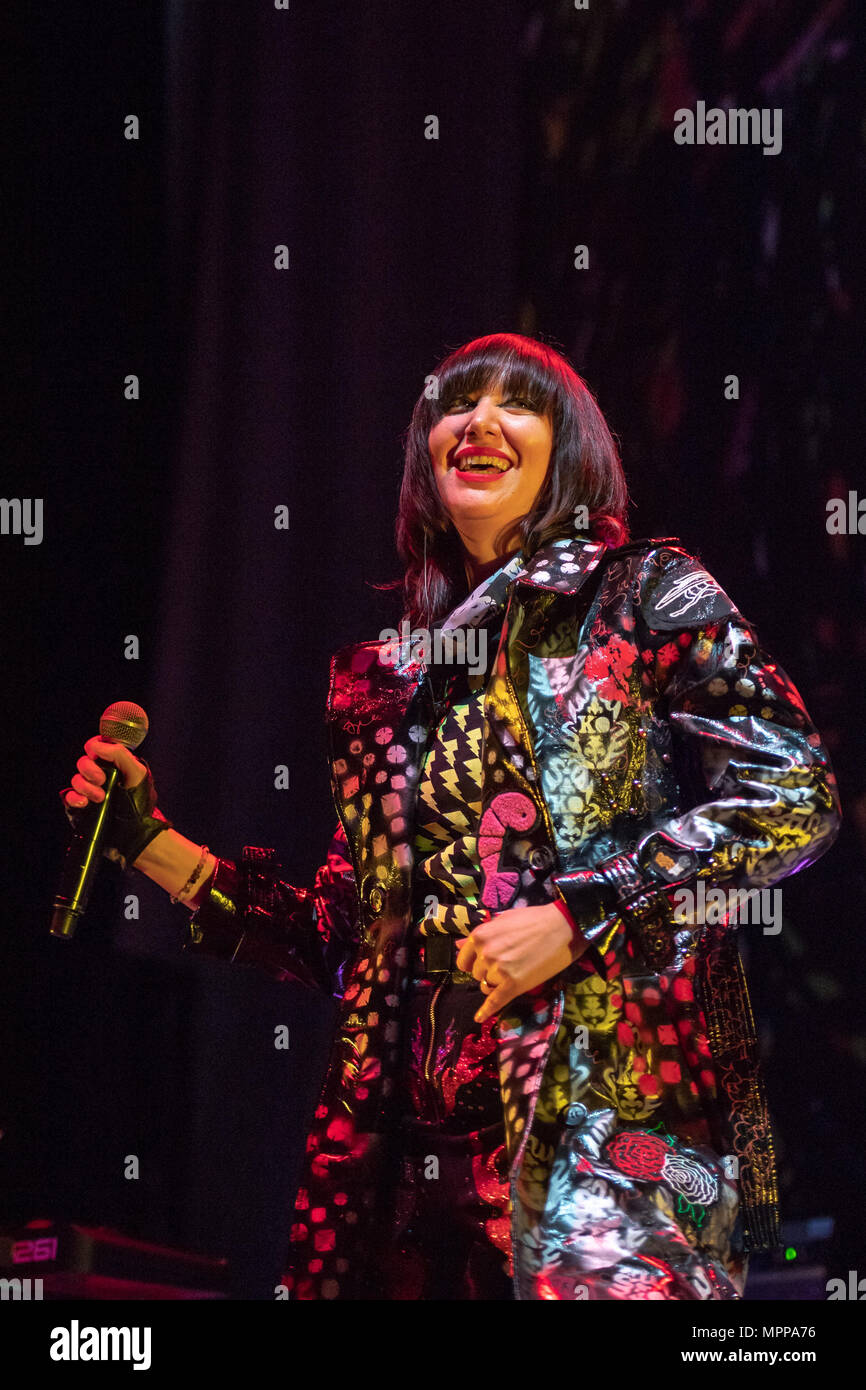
(479, 566)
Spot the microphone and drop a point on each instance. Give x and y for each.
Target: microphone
(125, 723)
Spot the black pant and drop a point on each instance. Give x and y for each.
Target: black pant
(450, 1229)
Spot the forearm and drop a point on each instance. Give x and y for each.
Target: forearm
(170, 859)
(250, 914)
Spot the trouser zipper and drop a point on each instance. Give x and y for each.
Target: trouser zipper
(432, 1021)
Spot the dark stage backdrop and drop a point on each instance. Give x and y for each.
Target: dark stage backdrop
(262, 387)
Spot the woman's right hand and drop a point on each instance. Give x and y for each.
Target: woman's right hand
(134, 819)
(86, 784)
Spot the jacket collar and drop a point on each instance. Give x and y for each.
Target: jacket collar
(562, 565)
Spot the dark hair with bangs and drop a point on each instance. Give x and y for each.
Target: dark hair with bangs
(585, 468)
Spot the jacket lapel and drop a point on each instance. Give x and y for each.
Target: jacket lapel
(517, 844)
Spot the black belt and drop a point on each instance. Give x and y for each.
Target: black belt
(436, 957)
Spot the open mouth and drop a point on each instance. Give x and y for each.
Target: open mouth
(481, 463)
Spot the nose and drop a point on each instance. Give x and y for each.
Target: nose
(483, 419)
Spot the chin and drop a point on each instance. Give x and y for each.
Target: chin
(483, 513)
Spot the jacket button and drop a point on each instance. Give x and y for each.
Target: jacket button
(376, 900)
(540, 858)
(575, 1114)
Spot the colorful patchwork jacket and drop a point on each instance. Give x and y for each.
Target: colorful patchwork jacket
(641, 751)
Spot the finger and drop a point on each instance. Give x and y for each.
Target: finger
(480, 968)
(89, 769)
(131, 770)
(466, 955)
(469, 948)
(89, 789)
(502, 995)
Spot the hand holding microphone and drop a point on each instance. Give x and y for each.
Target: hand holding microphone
(111, 805)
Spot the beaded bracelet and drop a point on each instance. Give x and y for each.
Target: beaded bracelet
(193, 876)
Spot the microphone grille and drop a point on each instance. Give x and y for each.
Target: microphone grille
(125, 723)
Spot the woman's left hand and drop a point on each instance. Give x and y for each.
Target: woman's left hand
(515, 951)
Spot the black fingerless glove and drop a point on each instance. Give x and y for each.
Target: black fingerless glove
(134, 819)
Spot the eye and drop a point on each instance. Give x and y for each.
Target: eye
(466, 403)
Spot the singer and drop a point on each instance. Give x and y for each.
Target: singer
(544, 1082)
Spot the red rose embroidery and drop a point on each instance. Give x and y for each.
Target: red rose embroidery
(638, 1155)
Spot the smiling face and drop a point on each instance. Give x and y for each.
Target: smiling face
(490, 454)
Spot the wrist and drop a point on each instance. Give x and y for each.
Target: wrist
(192, 886)
(578, 943)
(171, 861)
(158, 850)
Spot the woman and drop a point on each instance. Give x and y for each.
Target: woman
(544, 1082)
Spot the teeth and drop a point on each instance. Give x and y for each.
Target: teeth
(480, 461)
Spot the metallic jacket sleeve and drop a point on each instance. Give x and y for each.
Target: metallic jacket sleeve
(763, 795)
(252, 916)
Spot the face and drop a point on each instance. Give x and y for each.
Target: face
(490, 454)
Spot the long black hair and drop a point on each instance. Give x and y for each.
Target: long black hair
(585, 468)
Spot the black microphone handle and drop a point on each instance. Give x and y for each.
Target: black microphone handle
(82, 860)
